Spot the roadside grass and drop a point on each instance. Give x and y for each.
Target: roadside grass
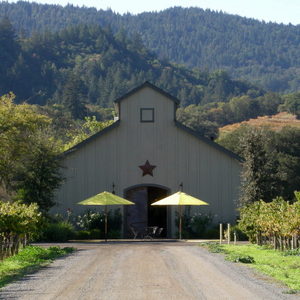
(28, 260)
(282, 266)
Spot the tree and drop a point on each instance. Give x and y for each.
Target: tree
(291, 104)
(274, 154)
(259, 177)
(18, 223)
(18, 124)
(73, 97)
(232, 139)
(41, 174)
(89, 127)
(240, 107)
(9, 50)
(193, 117)
(29, 165)
(287, 143)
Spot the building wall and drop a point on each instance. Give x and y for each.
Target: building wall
(115, 157)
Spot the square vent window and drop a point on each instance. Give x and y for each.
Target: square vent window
(147, 115)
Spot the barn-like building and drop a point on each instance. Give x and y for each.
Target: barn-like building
(147, 154)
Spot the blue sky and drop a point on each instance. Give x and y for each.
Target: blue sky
(280, 11)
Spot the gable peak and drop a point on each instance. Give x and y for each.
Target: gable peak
(149, 85)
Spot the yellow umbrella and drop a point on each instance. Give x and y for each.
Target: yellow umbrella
(179, 199)
(105, 198)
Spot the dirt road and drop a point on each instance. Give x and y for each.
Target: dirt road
(142, 271)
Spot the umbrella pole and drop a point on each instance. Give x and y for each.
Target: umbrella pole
(105, 223)
(180, 221)
(180, 212)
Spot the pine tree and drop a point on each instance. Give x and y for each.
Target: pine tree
(9, 50)
(259, 178)
(74, 97)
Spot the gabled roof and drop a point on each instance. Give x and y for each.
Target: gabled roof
(208, 141)
(150, 85)
(177, 124)
(94, 136)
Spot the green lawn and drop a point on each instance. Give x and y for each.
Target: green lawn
(28, 260)
(283, 266)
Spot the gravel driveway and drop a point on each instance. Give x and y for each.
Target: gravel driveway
(143, 271)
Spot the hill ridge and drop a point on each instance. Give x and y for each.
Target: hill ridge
(264, 53)
(275, 122)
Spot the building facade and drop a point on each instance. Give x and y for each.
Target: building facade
(146, 154)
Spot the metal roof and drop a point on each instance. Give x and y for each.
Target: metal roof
(208, 141)
(94, 136)
(150, 85)
(177, 124)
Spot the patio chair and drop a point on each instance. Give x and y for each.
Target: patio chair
(134, 231)
(150, 232)
(137, 229)
(158, 232)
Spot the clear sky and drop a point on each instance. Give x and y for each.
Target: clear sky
(280, 11)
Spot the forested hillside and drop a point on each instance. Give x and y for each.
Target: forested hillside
(61, 69)
(267, 54)
(87, 64)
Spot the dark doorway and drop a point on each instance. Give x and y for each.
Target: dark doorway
(142, 214)
(157, 215)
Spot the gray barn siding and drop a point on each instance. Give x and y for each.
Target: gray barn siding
(206, 172)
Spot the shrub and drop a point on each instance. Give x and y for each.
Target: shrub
(194, 226)
(35, 253)
(94, 223)
(212, 233)
(294, 252)
(90, 220)
(58, 232)
(18, 224)
(95, 234)
(199, 223)
(245, 259)
(82, 235)
(276, 223)
(240, 235)
(214, 247)
(114, 234)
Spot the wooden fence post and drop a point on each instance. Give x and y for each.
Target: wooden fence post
(221, 233)
(228, 233)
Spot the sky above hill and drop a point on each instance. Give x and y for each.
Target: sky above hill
(280, 11)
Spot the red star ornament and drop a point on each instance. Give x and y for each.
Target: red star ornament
(147, 168)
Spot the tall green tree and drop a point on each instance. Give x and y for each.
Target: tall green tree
(192, 117)
(41, 174)
(272, 161)
(18, 124)
(29, 164)
(291, 104)
(73, 97)
(85, 129)
(9, 51)
(287, 143)
(259, 177)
